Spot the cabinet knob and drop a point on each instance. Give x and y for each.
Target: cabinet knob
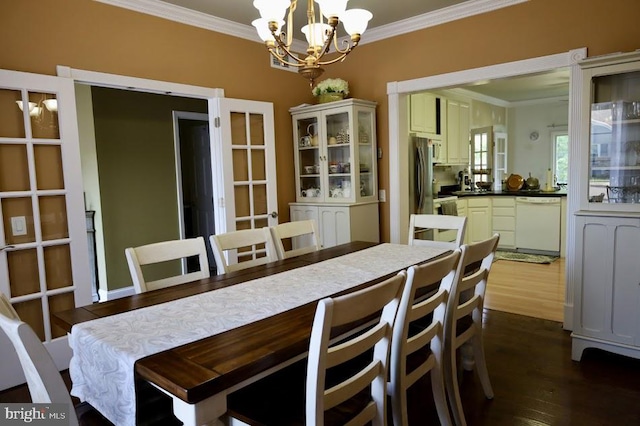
(274, 214)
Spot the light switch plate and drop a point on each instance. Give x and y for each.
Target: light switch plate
(18, 226)
(382, 195)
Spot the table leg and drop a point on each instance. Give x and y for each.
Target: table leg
(205, 412)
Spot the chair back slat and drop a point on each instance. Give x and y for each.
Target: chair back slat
(163, 252)
(418, 222)
(302, 228)
(248, 239)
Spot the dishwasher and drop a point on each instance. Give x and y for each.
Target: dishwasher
(538, 224)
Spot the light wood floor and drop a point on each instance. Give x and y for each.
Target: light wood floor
(529, 289)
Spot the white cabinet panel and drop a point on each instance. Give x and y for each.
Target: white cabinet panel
(607, 303)
(335, 225)
(340, 224)
(423, 113)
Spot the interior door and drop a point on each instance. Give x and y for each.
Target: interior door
(245, 186)
(44, 261)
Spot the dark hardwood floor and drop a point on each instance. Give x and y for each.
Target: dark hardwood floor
(534, 380)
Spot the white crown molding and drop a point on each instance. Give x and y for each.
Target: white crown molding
(188, 17)
(247, 32)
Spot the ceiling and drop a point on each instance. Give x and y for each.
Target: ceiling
(389, 18)
(384, 11)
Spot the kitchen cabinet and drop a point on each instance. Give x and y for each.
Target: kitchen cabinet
(339, 224)
(504, 221)
(424, 113)
(606, 311)
(457, 136)
(335, 152)
(478, 219)
(461, 204)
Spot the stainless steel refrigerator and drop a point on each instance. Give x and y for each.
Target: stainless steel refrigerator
(421, 171)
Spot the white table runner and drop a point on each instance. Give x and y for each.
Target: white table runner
(105, 349)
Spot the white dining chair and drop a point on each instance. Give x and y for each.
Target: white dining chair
(422, 222)
(163, 252)
(43, 378)
(419, 350)
(303, 230)
(257, 244)
(360, 354)
(463, 319)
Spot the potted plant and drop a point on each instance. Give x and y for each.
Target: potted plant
(331, 89)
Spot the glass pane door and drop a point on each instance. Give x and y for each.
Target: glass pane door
(44, 264)
(338, 153)
(248, 167)
(366, 153)
(309, 159)
(615, 139)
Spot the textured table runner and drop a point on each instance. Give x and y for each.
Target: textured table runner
(105, 349)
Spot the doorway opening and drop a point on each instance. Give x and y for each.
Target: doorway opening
(194, 175)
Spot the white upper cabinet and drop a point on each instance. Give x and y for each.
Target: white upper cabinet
(424, 113)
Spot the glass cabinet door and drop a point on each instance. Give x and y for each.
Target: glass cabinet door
(338, 153)
(614, 174)
(309, 159)
(366, 153)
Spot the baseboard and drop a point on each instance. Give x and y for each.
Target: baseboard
(106, 295)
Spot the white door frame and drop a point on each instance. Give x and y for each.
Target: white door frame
(397, 92)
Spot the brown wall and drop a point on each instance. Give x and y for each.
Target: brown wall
(89, 35)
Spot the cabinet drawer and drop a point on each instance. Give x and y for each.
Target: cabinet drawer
(504, 211)
(478, 202)
(501, 223)
(507, 239)
(504, 202)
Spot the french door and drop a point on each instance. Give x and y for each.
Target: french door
(245, 181)
(44, 265)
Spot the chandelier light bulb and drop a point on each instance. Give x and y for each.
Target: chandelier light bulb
(332, 8)
(355, 21)
(318, 34)
(272, 10)
(32, 105)
(262, 26)
(51, 104)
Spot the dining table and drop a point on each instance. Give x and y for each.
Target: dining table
(200, 341)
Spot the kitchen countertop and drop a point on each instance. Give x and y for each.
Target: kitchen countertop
(561, 193)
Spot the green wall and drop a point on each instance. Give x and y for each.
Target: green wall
(136, 167)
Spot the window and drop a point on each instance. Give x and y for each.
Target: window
(481, 154)
(560, 156)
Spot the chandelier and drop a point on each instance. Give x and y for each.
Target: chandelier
(38, 110)
(320, 35)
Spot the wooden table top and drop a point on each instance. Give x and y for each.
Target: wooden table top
(198, 370)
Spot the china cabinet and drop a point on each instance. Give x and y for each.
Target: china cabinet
(607, 227)
(335, 158)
